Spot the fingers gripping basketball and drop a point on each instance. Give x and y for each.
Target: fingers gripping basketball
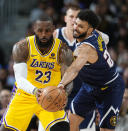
(53, 99)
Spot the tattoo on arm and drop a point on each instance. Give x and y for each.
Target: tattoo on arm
(65, 55)
(69, 88)
(65, 60)
(20, 51)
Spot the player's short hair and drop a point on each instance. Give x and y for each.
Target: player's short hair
(44, 17)
(73, 6)
(89, 16)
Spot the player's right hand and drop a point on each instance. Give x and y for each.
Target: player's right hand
(38, 93)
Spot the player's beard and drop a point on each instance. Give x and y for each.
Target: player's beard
(44, 44)
(80, 36)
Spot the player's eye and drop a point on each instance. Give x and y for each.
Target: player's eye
(71, 16)
(47, 30)
(80, 26)
(39, 30)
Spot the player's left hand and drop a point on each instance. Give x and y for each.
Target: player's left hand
(38, 94)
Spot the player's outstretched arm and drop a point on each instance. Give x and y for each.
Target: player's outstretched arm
(20, 55)
(84, 53)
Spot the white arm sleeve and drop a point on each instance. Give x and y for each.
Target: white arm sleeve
(20, 71)
(104, 36)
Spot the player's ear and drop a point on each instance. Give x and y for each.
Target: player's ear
(65, 18)
(90, 30)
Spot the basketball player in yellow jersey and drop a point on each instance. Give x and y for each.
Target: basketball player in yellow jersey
(39, 60)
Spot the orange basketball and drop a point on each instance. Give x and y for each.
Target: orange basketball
(53, 99)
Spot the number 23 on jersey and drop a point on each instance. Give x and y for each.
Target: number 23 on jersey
(43, 77)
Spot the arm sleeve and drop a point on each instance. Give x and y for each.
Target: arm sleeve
(20, 71)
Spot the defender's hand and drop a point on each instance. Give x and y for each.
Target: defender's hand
(61, 86)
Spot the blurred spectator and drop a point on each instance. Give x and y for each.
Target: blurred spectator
(84, 4)
(107, 24)
(10, 77)
(123, 33)
(29, 30)
(52, 13)
(1, 87)
(117, 2)
(124, 9)
(122, 62)
(2, 57)
(121, 46)
(5, 96)
(58, 5)
(66, 2)
(40, 10)
(4, 78)
(113, 54)
(122, 124)
(125, 77)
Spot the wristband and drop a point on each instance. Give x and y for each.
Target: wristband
(34, 91)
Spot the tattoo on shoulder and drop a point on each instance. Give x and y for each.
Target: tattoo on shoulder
(65, 55)
(20, 51)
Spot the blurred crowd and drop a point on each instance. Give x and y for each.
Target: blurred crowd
(113, 15)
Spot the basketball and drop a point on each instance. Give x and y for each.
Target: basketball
(53, 99)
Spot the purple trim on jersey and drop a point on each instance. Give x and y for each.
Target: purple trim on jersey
(39, 51)
(10, 126)
(56, 120)
(14, 90)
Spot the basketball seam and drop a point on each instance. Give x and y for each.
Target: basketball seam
(54, 99)
(46, 96)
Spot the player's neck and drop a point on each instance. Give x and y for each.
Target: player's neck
(44, 47)
(69, 34)
(44, 50)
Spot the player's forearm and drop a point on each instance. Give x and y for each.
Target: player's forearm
(69, 76)
(25, 85)
(20, 71)
(69, 88)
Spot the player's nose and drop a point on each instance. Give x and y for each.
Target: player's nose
(74, 19)
(43, 33)
(75, 27)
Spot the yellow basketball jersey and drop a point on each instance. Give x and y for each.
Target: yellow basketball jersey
(43, 70)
